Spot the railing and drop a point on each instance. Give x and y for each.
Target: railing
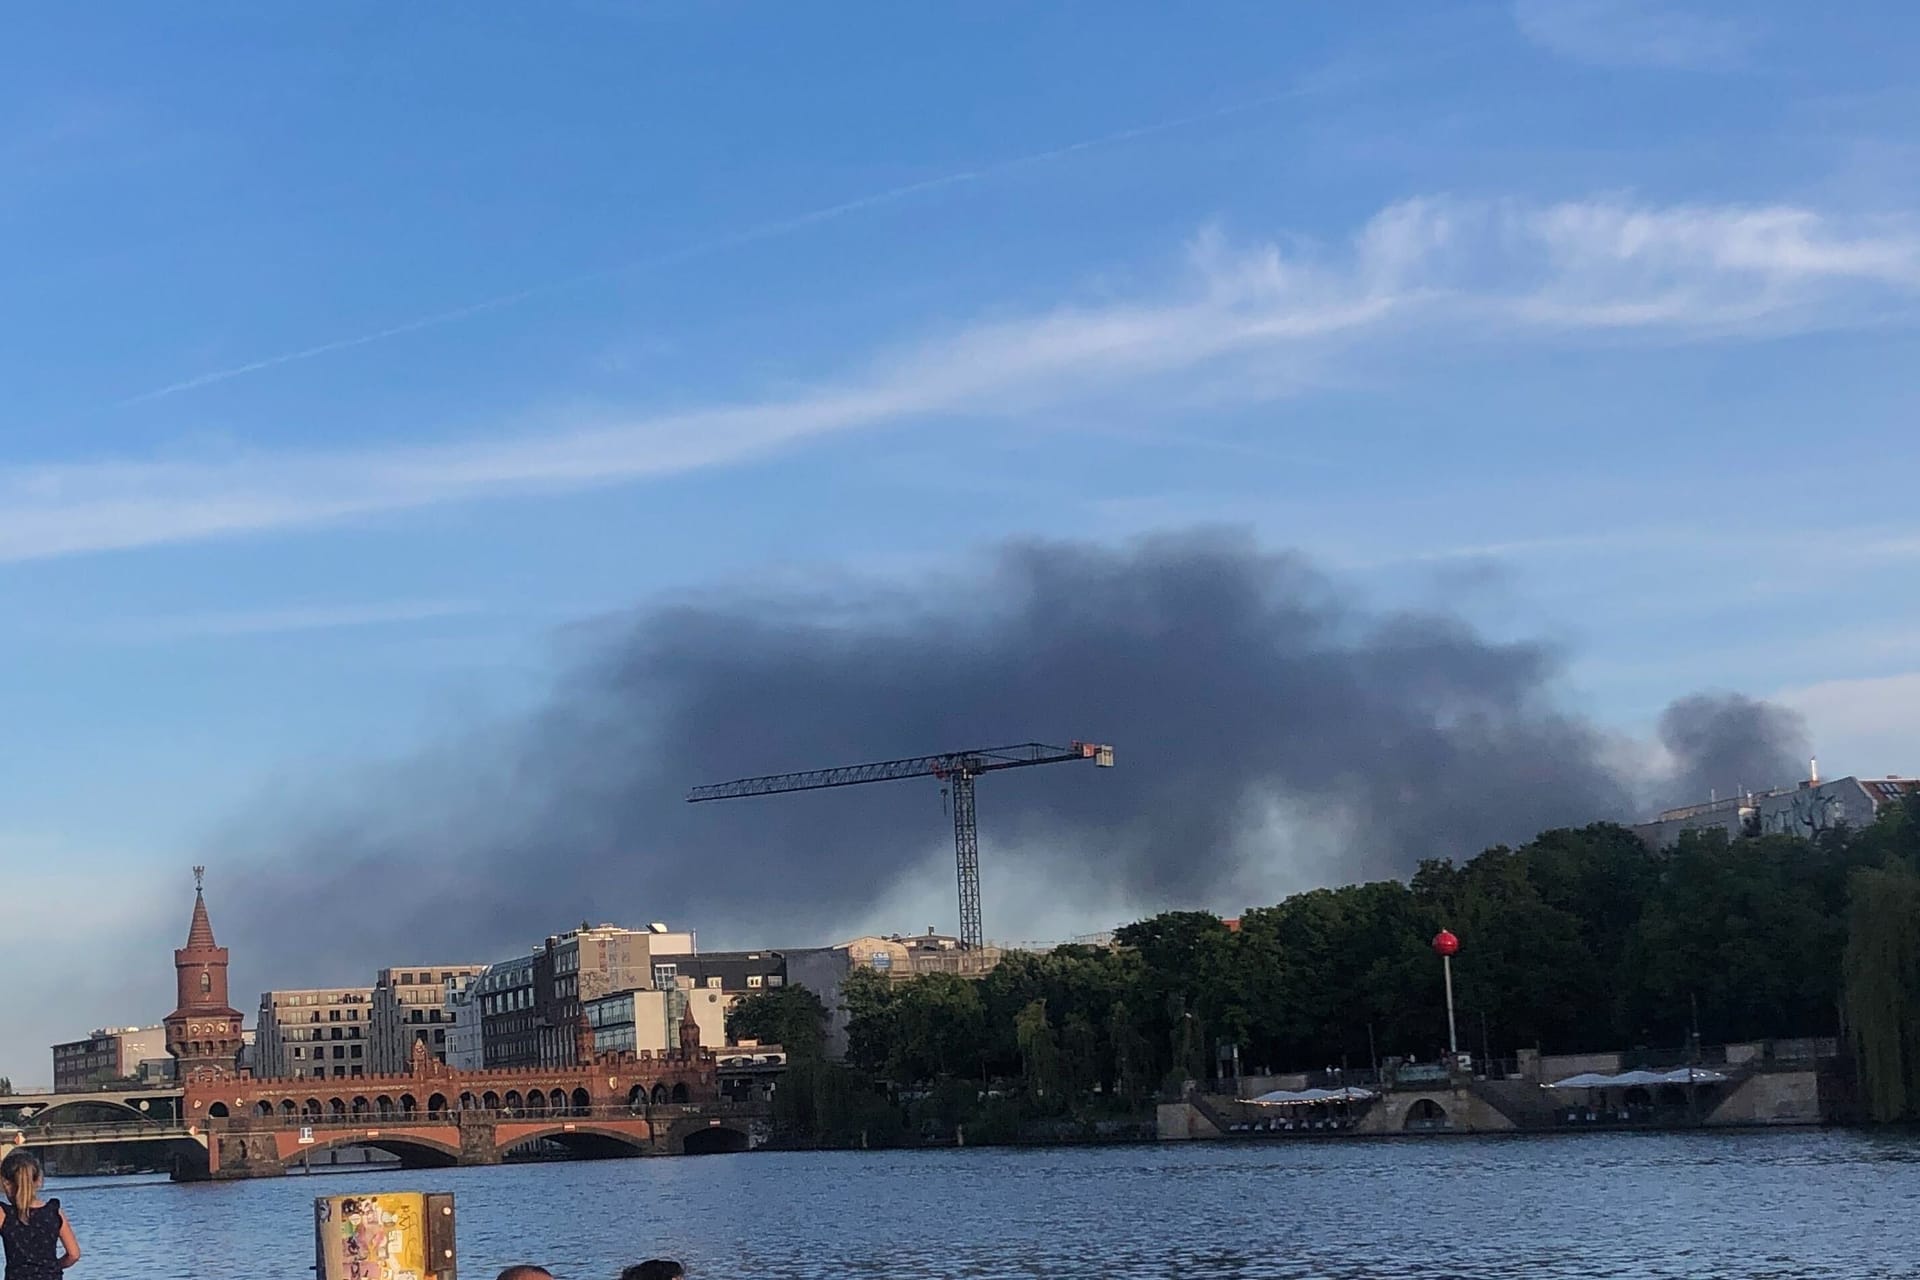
(494, 1115)
(58, 1133)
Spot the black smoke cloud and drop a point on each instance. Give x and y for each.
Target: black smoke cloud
(1726, 743)
(1268, 726)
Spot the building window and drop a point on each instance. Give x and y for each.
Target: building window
(881, 961)
(753, 980)
(775, 980)
(713, 984)
(206, 982)
(353, 1051)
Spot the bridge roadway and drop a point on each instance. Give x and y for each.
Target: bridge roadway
(255, 1147)
(265, 1146)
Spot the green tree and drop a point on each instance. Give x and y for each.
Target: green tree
(790, 1016)
(1133, 1069)
(1039, 1055)
(938, 1029)
(1883, 988)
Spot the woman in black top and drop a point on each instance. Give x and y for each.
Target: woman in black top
(33, 1227)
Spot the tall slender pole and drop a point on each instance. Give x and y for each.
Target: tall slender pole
(1453, 1039)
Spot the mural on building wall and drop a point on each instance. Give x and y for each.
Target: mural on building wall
(1806, 813)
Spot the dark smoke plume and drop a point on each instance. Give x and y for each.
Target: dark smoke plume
(1271, 733)
(1726, 743)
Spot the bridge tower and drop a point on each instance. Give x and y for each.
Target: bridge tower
(203, 1031)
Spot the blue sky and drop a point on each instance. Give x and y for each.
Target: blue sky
(351, 354)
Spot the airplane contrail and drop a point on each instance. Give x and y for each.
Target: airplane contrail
(749, 235)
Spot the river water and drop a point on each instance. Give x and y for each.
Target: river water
(1780, 1205)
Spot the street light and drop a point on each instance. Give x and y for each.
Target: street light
(1445, 945)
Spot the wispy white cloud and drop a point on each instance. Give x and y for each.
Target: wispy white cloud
(1637, 33)
(763, 231)
(1862, 726)
(1429, 271)
(259, 622)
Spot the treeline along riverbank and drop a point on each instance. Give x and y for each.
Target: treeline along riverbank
(1578, 940)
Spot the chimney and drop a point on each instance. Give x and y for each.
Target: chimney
(1813, 771)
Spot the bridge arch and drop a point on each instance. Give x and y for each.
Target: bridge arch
(412, 1151)
(1426, 1113)
(714, 1140)
(117, 1107)
(583, 1142)
(218, 1111)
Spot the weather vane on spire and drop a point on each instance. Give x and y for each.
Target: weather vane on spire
(199, 875)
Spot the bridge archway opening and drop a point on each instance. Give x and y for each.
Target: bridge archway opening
(714, 1140)
(490, 1100)
(637, 1097)
(660, 1095)
(311, 1107)
(288, 1108)
(512, 1101)
(218, 1111)
(336, 1106)
(263, 1108)
(558, 1144)
(536, 1103)
(88, 1111)
(360, 1106)
(437, 1105)
(1425, 1113)
(468, 1102)
(557, 1101)
(680, 1094)
(412, 1153)
(582, 1102)
(408, 1104)
(383, 1105)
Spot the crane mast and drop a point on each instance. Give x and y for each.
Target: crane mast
(957, 769)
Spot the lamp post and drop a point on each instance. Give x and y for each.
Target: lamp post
(1445, 945)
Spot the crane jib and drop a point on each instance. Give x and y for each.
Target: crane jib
(955, 768)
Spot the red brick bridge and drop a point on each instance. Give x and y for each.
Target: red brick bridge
(433, 1116)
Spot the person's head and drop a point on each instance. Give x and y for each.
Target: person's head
(526, 1271)
(21, 1174)
(655, 1269)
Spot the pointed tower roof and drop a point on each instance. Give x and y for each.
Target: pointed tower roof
(200, 932)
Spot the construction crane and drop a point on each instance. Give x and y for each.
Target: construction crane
(957, 769)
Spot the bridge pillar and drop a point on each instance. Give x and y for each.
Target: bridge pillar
(237, 1152)
(476, 1140)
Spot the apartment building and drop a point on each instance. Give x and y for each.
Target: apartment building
(410, 1004)
(314, 1033)
(537, 1010)
(466, 1037)
(111, 1053)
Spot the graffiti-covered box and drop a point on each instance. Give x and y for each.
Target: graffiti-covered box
(395, 1235)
